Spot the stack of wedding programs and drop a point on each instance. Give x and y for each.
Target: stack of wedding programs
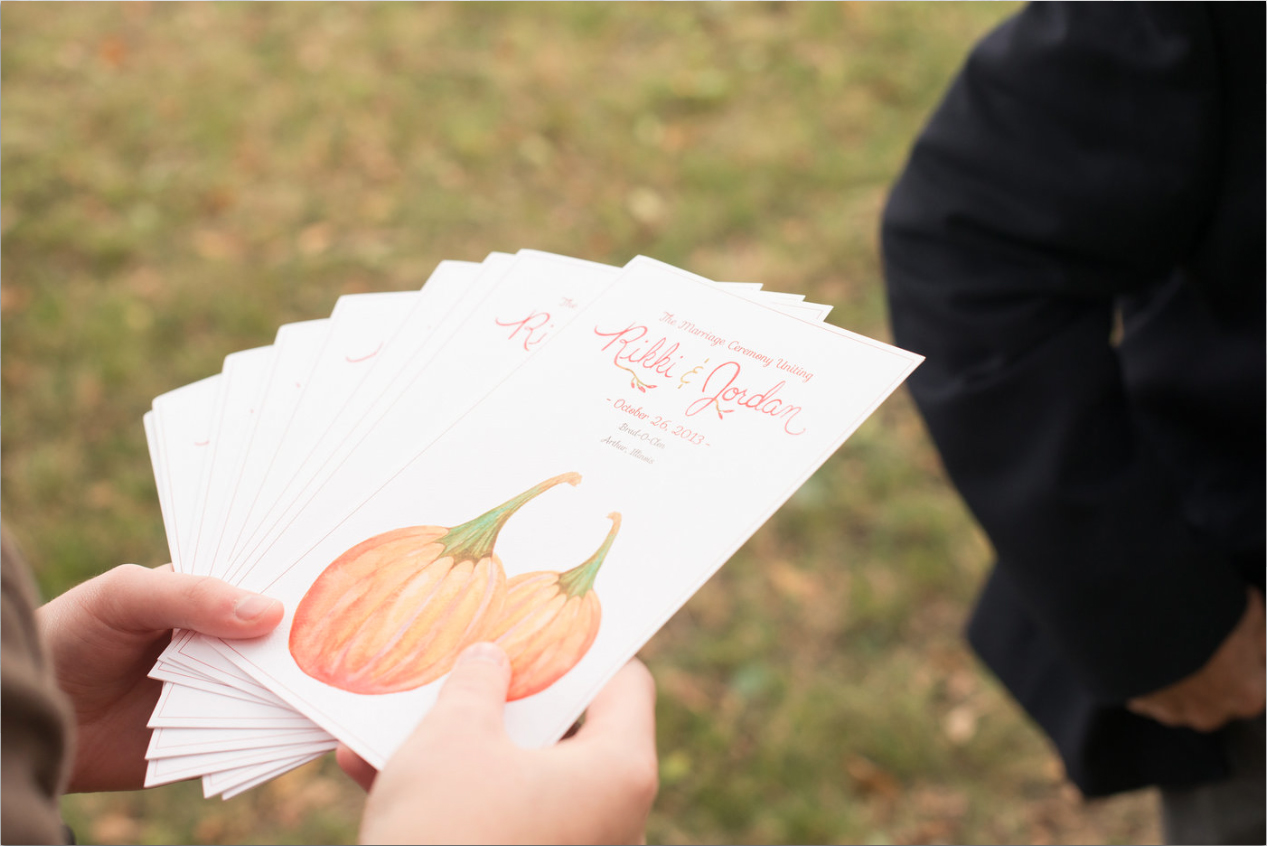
(534, 450)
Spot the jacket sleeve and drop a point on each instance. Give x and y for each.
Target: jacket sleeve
(36, 718)
(1070, 163)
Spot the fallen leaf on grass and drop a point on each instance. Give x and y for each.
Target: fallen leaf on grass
(315, 239)
(115, 828)
(113, 51)
(646, 206)
(214, 244)
(940, 802)
(871, 780)
(960, 724)
(686, 689)
(13, 299)
(792, 582)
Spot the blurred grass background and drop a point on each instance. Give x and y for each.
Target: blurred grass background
(180, 179)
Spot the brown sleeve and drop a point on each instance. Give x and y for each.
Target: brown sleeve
(35, 717)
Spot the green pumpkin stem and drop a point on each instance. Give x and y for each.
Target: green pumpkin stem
(580, 579)
(474, 539)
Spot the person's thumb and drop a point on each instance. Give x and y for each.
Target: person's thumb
(474, 695)
(139, 600)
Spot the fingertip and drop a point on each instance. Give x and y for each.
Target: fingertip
(484, 653)
(477, 685)
(633, 679)
(257, 610)
(625, 706)
(639, 671)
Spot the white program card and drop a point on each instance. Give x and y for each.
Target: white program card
(532, 329)
(244, 448)
(537, 296)
(689, 415)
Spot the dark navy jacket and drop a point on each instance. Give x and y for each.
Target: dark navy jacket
(1077, 246)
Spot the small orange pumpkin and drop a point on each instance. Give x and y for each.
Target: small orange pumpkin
(549, 621)
(393, 612)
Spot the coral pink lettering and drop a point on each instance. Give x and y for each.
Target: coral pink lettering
(723, 396)
(632, 349)
(533, 328)
(635, 410)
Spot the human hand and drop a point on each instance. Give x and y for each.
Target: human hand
(104, 636)
(460, 779)
(1229, 686)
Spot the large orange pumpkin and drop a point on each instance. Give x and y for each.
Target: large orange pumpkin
(393, 612)
(549, 621)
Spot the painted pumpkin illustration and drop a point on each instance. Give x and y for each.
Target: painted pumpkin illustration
(549, 621)
(393, 612)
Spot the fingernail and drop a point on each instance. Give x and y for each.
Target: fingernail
(486, 652)
(252, 606)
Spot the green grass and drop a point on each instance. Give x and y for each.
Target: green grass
(180, 179)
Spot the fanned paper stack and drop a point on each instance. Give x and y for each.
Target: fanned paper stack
(536, 450)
